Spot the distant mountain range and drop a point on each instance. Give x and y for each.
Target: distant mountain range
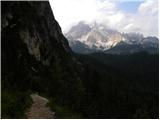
(85, 38)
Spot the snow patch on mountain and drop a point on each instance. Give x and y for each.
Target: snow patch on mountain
(100, 37)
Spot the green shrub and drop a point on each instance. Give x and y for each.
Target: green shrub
(63, 112)
(14, 104)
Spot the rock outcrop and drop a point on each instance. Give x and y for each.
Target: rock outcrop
(35, 54)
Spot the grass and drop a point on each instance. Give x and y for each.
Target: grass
(62, 112)
(14, 104)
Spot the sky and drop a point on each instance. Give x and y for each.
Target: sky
(139, 16)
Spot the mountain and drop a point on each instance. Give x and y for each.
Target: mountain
(84, 38)
(95, 37)
(124, 48)
(35, 57)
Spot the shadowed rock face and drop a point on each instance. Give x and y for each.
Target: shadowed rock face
(35, 54)
(31, 38)
(35, 25)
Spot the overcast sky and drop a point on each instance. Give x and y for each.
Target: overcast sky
(123, 15)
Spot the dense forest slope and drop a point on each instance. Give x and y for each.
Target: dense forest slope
(125, 86)
(36, 58)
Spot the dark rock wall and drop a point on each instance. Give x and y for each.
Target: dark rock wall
(36, 27)
(35, 54)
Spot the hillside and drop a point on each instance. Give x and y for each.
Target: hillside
(35, 57)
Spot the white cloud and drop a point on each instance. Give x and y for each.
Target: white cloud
(146, 18)
(127, 27)
(70, 12)
(149, 7)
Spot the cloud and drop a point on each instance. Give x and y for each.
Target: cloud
(149, 7)
(69, 12)
(144, 20)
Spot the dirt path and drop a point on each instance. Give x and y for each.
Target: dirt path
(38, 109)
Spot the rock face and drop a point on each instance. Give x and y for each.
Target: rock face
(37, 28)
(94, 37)
(35, 54)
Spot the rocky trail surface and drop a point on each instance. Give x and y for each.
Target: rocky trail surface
(39, 110)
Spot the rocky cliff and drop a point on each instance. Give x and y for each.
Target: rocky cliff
(36, 27)
(35, 54)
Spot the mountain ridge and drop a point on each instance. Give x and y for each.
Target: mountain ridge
(98, 37)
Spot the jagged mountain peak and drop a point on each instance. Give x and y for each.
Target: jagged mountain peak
(100, 37)
(94, 35)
